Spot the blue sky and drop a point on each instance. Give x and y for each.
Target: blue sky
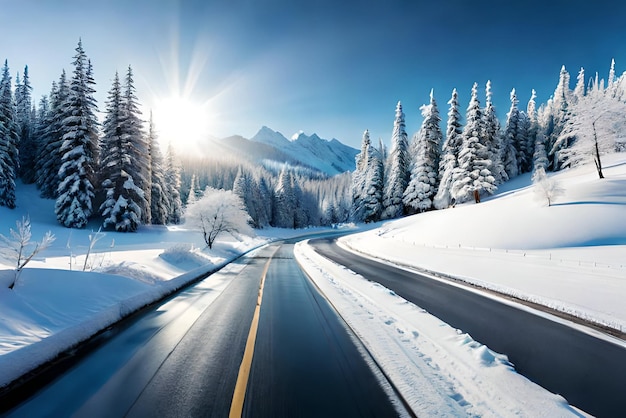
(331, 67)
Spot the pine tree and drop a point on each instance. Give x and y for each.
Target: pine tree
(397, 178)
(138, 148)
(126, 160)
(28, 146)
(511, 139)
(172, 181)
(472, 177)
(76, 193)
(492, 137)
(49, 156)
(579, 90)
(359, 178)
(9, 141)
(450, 151)
(158, 203)
(532, 131)
(560, 110)
(372, 201)
(284, 204)
(422, 188)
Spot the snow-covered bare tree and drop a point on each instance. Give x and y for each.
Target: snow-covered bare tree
(18, 249)
(398, 169)
(450, 151)
(546, 188)
(79, 149)
(596, 127)
(422, 187)
(9, 141)
(218, 212)
(472, 177)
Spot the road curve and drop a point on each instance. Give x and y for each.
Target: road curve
(589, 372)
(182, 357)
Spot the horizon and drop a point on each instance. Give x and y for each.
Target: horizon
(315, 67)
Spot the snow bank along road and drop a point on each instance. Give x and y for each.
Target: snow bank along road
(185, 357)
(587, 368)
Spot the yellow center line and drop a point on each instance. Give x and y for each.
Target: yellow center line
(236, 407)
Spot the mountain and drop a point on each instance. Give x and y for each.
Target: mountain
(331, 157)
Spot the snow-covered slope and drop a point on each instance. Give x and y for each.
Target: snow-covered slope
(331, 157)
(570, 256)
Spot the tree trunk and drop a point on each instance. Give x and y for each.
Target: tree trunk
(596, 158)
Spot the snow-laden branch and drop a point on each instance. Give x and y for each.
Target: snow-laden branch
(18, 250)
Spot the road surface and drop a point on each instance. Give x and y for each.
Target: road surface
(589, 372)
(183, 357)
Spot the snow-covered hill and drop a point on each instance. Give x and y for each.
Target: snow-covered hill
(570, 256)
(331, 157)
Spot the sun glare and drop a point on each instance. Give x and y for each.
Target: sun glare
(180, 121)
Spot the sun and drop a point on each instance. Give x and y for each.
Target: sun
(181, 121)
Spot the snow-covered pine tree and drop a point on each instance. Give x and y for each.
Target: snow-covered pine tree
(76, 193)
(397, 176)
(511, 139)
(359, 175)
(192, 196)
(172, 181)
(9, 141)
(28, 146)
(450, 151)
(372, 201)
(244, 188)
(579, 89)
(49, 156)
(119, 207)
(561, 101)
(158, 203)
(532, 131)
(493, 137)
(472, 177)
(284, 203)
(266, 197)
(138, 146)
(540, 157)
(422, 188)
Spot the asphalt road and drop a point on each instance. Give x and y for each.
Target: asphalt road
(589, 372)
(182, 358)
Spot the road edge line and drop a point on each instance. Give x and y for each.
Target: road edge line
(236, 406)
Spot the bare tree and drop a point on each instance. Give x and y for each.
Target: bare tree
(546, 188)
(595, 128)
(217, 212)
(19, 250)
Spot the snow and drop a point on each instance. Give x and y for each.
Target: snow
(570, 256)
